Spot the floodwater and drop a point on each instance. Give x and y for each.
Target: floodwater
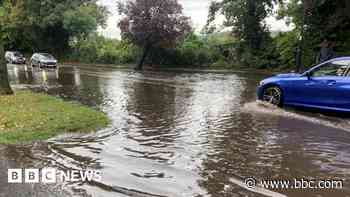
(178, 134)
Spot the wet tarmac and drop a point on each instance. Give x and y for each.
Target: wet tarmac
(178, 134)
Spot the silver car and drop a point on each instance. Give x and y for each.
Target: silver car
(43, 60)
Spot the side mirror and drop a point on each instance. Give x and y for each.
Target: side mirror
(308, 75)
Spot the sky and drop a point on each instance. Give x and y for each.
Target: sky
(196, 9)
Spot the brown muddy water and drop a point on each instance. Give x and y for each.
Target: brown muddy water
(178, 134)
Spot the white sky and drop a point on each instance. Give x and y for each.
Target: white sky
(196, 9)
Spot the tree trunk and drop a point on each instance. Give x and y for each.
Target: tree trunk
(4, 82)
(144, 56)
(307, 6)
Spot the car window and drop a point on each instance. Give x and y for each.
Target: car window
(46, 56)
(333, 69)
(17, 54)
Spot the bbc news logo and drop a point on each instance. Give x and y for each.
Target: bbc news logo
(51, 175)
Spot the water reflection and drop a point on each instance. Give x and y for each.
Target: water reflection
(177, 134)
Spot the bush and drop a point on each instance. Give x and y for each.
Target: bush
(221, 63)
(286, 44)
(98, 49)
(192, 51)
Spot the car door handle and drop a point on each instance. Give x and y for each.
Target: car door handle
(310, 83)
(331, 83)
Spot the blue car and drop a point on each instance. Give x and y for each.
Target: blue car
(325, 87)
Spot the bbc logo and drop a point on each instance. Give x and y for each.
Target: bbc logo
(46, 175)
(51, 175)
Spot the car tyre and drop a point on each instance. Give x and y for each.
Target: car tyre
(273, 95)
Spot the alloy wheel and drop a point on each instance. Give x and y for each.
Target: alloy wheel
(273, 95)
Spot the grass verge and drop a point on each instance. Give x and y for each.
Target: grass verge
(27, 116)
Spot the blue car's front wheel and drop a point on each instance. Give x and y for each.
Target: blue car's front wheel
(273, 95)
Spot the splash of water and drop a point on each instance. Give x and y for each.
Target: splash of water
(260, 107)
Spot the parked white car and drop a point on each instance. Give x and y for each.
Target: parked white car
(15, 57)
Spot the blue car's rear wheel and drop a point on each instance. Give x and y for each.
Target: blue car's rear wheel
(273, 95)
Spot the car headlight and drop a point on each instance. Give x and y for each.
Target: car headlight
(262, 83)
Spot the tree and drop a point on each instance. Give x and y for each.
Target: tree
(316, 20)
(152, 23)
(48, 25)
(246, 17)
(321, 15)
(4, 82)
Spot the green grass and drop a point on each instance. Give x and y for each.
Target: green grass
(27, 117)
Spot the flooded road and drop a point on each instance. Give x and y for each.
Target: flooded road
(178, 134)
